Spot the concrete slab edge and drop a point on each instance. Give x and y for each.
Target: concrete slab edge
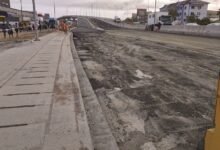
(64, 137)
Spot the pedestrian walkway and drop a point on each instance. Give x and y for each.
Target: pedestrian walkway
(41, 106)
(23, 36)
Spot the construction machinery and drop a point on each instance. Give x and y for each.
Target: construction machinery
(212, 139)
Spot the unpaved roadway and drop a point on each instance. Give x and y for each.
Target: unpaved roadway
(157, 90)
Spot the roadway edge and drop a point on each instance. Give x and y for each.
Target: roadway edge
(102, 136)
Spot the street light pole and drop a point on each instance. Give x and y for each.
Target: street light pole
(21, 11)
(54, 9)
(35, 21)
(155, 11)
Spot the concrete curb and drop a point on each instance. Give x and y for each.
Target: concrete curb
(67, 126)
(102, 136)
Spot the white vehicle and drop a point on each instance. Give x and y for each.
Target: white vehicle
(161, 17)
(117, 20)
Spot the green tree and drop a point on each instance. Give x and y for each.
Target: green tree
(204, 21)
(173, 13)
(191, 19)
(128, 20)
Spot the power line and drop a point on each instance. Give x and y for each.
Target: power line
(35, 21)
(155, 11)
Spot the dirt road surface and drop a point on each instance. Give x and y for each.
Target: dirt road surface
(157, 90)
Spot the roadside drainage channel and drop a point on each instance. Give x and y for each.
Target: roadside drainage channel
(100, 131)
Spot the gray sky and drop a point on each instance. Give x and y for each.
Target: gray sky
(103, 8)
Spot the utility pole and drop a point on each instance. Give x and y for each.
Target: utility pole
(35, 21)
(155, 11)
(54, 9)
(148, 6)
(21, 11)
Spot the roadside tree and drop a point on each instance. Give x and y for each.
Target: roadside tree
(173, 13)
(191, 19)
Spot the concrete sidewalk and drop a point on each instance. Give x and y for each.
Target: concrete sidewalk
(41, 106)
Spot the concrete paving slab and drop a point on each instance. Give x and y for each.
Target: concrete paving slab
(32, 81)
(14, 59)
(37, 72)
(26, 115)
(68, 128)
(20, 114)
(31, 106)
(22, 100)
(63, 131)
(26, 90)
(34, 73)
(25, 75)
(28, 137)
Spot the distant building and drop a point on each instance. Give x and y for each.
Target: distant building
(212, 15)
(195, 8)
(168, 8)
(14, 14)
(40, 17)
(46, 17)
(134, 17)
(5, 3)
(142, 15)
(171, 9)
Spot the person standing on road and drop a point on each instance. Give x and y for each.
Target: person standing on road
(16, 29)
(10, 32)
(4, 30)
(159, 25)
(33, 27)
(65, 28)
(40, 26)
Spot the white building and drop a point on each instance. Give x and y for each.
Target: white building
(195, 8)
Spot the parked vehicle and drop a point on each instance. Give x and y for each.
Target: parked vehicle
(52, 23)
(117, 20)
(161, 17)
(165, 20)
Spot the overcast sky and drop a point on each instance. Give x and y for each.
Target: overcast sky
(103, 8)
